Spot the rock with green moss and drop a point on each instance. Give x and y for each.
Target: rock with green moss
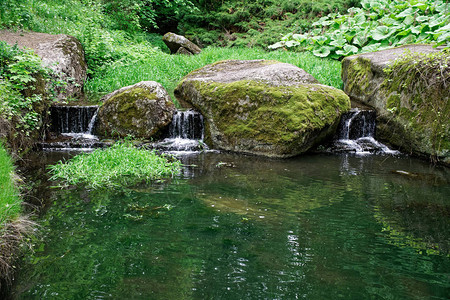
(262, 107)
(142, 110)
(409, 88)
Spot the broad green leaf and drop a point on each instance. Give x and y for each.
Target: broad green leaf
(388, 21)
(347, 50)
(299, 37)
(381, 33)
(322, 52)
(292, 44)
(338, 41)
(443, 37)
(416, 29)
(445, 28)
(409, 39)
(422, 18)
(422, 6)
(408, 20)
(360, 19)
(404, 32)
(320, 40)
(437, 21)
(360, 39)
(405, 13)
(276, 45)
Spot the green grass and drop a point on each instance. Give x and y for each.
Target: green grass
(120, 165)
(10, 202)
(170, 69)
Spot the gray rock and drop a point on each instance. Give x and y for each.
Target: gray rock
(142, 110)
(405, 119)
(61, 53)
(175, 42)
(183, 51)
(262, 107)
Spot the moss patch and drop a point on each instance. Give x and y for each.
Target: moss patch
(417, 92)
(281, 116)
(359, 74)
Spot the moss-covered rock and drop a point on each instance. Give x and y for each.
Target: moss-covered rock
(141, 110)
(409, 88)
(262, 107)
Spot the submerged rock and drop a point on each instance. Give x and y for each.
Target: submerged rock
(142, 110)
(262, 107)
(410, 95)
(62, 53)
(178, 44)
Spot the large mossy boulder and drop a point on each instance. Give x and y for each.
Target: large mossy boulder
(61, 53)
(262, 107)
(142, 110)
(178, 44)
(409, 87)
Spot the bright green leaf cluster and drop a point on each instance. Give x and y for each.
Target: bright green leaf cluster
(377, 25)
(18, 72)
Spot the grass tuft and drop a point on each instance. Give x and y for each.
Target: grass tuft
(120, 165)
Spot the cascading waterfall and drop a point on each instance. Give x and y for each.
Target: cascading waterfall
(186, 133)
(356, 134)
(187, 125)
(74, 126)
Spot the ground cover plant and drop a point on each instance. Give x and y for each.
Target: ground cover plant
(120, 165)
(377, 25)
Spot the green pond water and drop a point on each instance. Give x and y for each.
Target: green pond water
(239, 227)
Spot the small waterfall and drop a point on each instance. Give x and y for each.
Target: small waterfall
(186, 133)
(72, 128)
(187, 125)
(73, 119)
(356, 134)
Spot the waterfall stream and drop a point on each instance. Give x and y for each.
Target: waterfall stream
(73, 127)
(186, 133)
(356, 134)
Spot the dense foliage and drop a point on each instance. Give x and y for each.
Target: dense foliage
(112, 30)
(254, 23)
(22, 84)
(120, 165)
(377, 25)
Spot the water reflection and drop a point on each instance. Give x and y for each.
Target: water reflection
(243, 227)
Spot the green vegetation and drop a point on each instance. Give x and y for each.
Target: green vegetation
(258, 23)
(169, 69)
(378, 25)
(22, 93)
(9, 196)
(13, 227)
(120, 165)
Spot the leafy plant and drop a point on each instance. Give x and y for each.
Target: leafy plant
(21, 72)
(377, 25)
